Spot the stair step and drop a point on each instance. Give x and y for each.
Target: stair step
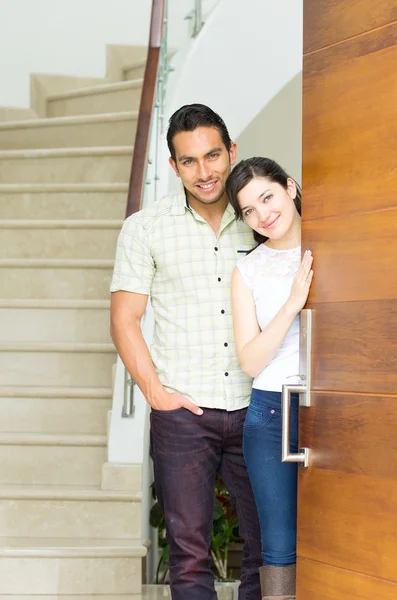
(69, 511)
(59, 239)
(50, 439)
(55, 392)
(72, 201)
(51, 459)
(55, 278)
(12, 114)
(55, 325)
(62, 364)
(67, 347)
(54, 410)
(111, 97)
(134, 70)
(52, 415)
(66, 492)
(69, 566)
(113, 129)
(56, 363)
(60, 224)
(58, 304)
(49, 321)
(101, 164)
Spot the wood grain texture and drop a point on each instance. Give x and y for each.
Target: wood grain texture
(142, 136)
(351, 434)
(328, 22)
(355, 347)
(316, 581)
(350, 126)
(348, 521)
(355, 257)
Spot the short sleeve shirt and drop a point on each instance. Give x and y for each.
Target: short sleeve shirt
(170, 253)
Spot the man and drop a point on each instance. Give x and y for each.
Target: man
(181, 252)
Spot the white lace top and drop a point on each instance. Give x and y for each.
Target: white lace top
(269, 275)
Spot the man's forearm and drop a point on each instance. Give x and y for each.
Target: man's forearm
(134, 353)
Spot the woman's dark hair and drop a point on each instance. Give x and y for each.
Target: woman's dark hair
(191, 116)
(246, 171)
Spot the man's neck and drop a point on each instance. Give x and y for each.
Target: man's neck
(212, 213)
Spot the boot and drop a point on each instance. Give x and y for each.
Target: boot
(278, 583)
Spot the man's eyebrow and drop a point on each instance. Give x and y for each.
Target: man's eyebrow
(185, 157)
(213, 151)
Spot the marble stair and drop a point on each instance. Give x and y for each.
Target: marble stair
(70, 523)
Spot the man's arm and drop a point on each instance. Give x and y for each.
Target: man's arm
(127, 310)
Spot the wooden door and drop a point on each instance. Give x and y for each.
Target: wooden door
(347, 516)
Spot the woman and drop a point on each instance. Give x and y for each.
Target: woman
(269, 288)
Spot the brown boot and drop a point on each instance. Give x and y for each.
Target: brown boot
(278, 583)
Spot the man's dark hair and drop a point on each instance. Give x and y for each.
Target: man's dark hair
(191, 116)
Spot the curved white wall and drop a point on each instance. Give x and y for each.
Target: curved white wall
(245, 54)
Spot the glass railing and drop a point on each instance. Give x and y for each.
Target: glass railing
(196, 18)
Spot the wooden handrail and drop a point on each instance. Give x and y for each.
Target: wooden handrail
(142, 137)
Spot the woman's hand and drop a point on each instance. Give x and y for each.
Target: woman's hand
(301, 285)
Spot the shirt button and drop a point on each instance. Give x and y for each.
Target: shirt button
(222, 311)
(219, 279)
(226, 344)
(226, 374)
(216, 249)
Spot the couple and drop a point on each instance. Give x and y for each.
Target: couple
(182, 253)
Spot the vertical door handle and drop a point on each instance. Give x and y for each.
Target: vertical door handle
(286, 455)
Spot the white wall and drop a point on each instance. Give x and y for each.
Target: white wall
(276, 132)
(69, 37)
(246, 53)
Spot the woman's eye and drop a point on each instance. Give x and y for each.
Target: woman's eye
(268, 198)
(248, 212)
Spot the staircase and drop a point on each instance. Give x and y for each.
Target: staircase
(70, 523)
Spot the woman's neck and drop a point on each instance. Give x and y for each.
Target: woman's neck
(292, 238)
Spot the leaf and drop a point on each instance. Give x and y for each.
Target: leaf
(219, 513)
(156, 518)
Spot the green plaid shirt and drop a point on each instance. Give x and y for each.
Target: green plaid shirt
(170, 253)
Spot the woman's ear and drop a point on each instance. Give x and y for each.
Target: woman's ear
(291, 188)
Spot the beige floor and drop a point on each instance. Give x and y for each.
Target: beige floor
(156, 592)
(151, 592)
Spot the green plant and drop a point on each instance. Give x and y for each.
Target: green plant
(224, 532)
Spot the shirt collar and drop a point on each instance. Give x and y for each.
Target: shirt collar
(180, 205)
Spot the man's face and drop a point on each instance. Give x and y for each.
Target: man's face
(203, 163)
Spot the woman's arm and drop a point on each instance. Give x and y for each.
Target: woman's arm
(256, 348)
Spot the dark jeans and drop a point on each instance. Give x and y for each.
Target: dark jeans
(188, 451)
(274, 483)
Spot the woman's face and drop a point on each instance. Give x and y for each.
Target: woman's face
(269, 208)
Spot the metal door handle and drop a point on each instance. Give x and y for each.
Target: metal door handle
(286, 455)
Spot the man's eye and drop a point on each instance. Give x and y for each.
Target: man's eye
(214, 155)
(187, 162)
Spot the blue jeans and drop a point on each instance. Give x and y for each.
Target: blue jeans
(274, 483)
